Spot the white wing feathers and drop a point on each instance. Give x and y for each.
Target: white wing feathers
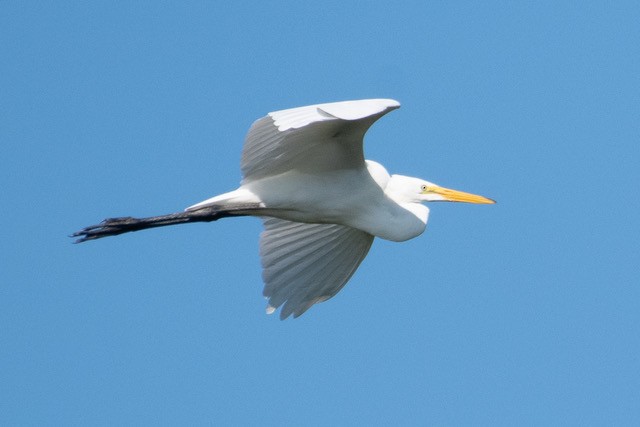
(321, 137)
(304, 264)
(295, 118)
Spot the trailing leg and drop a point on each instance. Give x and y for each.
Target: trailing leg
(115, 226)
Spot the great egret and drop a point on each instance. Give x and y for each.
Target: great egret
(322, 203)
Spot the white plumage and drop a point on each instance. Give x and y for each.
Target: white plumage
(304, 264)
(322, 203)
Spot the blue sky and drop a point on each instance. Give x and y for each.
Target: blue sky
(525, 312)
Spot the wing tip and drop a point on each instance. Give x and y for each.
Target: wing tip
(295, 118)
(359, 109)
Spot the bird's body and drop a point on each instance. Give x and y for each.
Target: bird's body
(351, 197)
(322, 203)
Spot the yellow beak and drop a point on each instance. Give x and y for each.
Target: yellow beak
(458, 196)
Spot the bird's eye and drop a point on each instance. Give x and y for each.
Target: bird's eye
(423, 188)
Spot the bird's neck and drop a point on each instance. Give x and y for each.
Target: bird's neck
(397, 221)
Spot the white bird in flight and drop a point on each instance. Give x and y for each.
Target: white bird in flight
(322, 204)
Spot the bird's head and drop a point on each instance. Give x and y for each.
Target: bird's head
(408, 189)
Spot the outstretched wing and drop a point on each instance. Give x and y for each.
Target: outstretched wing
(319, 137)
(304, 264)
